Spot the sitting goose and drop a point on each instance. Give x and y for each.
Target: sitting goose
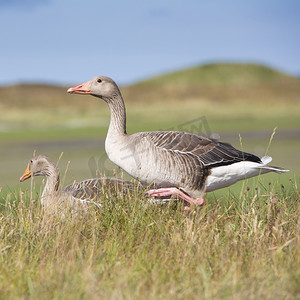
(82, 193)
(178, 163)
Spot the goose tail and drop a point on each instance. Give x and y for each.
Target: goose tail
(266, 168)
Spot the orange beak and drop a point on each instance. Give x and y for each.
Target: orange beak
(83, 89)
(26, 174)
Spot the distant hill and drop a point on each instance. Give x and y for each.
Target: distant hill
(219, 82)
(221, 74)
(213, 82)
(32, 95)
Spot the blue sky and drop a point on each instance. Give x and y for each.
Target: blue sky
(70, 41)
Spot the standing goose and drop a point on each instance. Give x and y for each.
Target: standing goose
(178, 163)
(82, 193)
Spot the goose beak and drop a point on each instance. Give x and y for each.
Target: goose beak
(83, 89)
(26, 174)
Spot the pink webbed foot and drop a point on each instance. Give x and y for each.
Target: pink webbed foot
(163, 192)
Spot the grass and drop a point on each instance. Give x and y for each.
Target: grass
(244, 246)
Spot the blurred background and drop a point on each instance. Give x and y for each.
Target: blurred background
(227, 69)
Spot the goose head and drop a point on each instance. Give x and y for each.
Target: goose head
(40, 165)
(99, 86)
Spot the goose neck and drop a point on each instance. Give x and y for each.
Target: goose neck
(51, 187)
(117, 116)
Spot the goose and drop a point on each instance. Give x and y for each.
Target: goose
(77, 194)
(177, 163)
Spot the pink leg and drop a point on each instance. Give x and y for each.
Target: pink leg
(175, 191)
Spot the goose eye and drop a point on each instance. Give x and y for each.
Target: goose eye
(99, 80)
(31, 161)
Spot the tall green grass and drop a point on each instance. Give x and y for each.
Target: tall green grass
(242, 246)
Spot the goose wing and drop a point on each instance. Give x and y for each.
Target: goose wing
(93, 188)
(210, 152)
(84, 190)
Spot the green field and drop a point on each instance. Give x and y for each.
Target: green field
(242, 244)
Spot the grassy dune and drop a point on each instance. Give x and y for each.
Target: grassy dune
(231, 96)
